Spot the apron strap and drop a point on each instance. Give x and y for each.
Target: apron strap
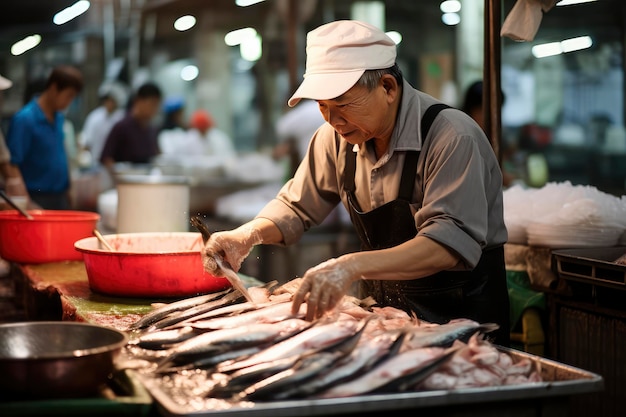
(407, 181)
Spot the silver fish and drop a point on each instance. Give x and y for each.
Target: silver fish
(408, 362)
(365, 355)
(182, 315)
(444, 335)
(163, 339)
(217, 341)
(304, 369)
(272, 313)
(161, 312)
(320, 336)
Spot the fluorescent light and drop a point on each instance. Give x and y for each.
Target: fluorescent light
(576, 44)
(71, 12)
(237, 37)
(189, 73)
(556, 48)
(251, 48)
(246, 3)
(450, 6)
(570, 2)
(396, 37)
(184, 23)
(25, 44)
(451, 19)
(547, 49)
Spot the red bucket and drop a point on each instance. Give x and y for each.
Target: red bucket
(48, 237)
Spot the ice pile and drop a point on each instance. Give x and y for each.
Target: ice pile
(562, 215)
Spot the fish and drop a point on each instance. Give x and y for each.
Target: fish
(410, 380)
(165, 310)
(221, 355)
(317, 337)
(182, 315)
(444, 335)
(239, 380)
(222, 264)
(163, 339)
(304, 369)
(272, 313)
(418, 362)
(214, 342)
(365, 355)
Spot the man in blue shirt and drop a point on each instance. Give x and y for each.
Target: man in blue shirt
(36, 141)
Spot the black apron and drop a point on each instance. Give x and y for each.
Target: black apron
(480, 294)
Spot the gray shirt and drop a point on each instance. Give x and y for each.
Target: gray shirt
(457, 198)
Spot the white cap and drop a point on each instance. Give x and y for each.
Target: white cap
(338, 53)
(5, 83)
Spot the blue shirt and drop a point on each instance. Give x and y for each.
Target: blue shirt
(37, 148)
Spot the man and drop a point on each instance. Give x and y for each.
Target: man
(426, 201)
(101, 120)
(36, 140)
(134, 139)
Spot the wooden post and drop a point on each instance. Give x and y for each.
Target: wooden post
(492, 98)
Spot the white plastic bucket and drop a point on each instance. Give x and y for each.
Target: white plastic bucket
(152, 203)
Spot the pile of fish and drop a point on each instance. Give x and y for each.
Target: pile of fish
(255, 349)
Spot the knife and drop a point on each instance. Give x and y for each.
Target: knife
(222, 263)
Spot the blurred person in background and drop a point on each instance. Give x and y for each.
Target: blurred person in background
(134, 139)
(36, 140)
(294, 131)
(205, 138)
(101, 120)
(473, 106)
(173, 131)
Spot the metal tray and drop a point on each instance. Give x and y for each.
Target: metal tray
(592, 266)
(560, 381)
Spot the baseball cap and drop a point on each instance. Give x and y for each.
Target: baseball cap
(337, 55)
(5, 83)
(201, 120)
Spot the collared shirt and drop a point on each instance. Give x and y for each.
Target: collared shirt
(457, 197)
(130, 141)
(37, 148)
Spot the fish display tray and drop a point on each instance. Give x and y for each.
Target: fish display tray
(592, 266)
(545, 398)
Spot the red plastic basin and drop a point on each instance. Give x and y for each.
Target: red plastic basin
(148, 264)
(48, 237)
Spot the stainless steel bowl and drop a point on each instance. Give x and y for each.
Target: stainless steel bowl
(48, 359)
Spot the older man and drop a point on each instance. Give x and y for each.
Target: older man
(421, 182)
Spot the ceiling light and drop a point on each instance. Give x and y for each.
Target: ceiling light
(184, 23)
(450, 6)
(189, 73)
(576, 44)
(237, 37)
(547, 49)
(570, 2)
(246, 3)
(71, 12)
(451, 19)
(556, 48)
(251, 48)
(25, 44)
